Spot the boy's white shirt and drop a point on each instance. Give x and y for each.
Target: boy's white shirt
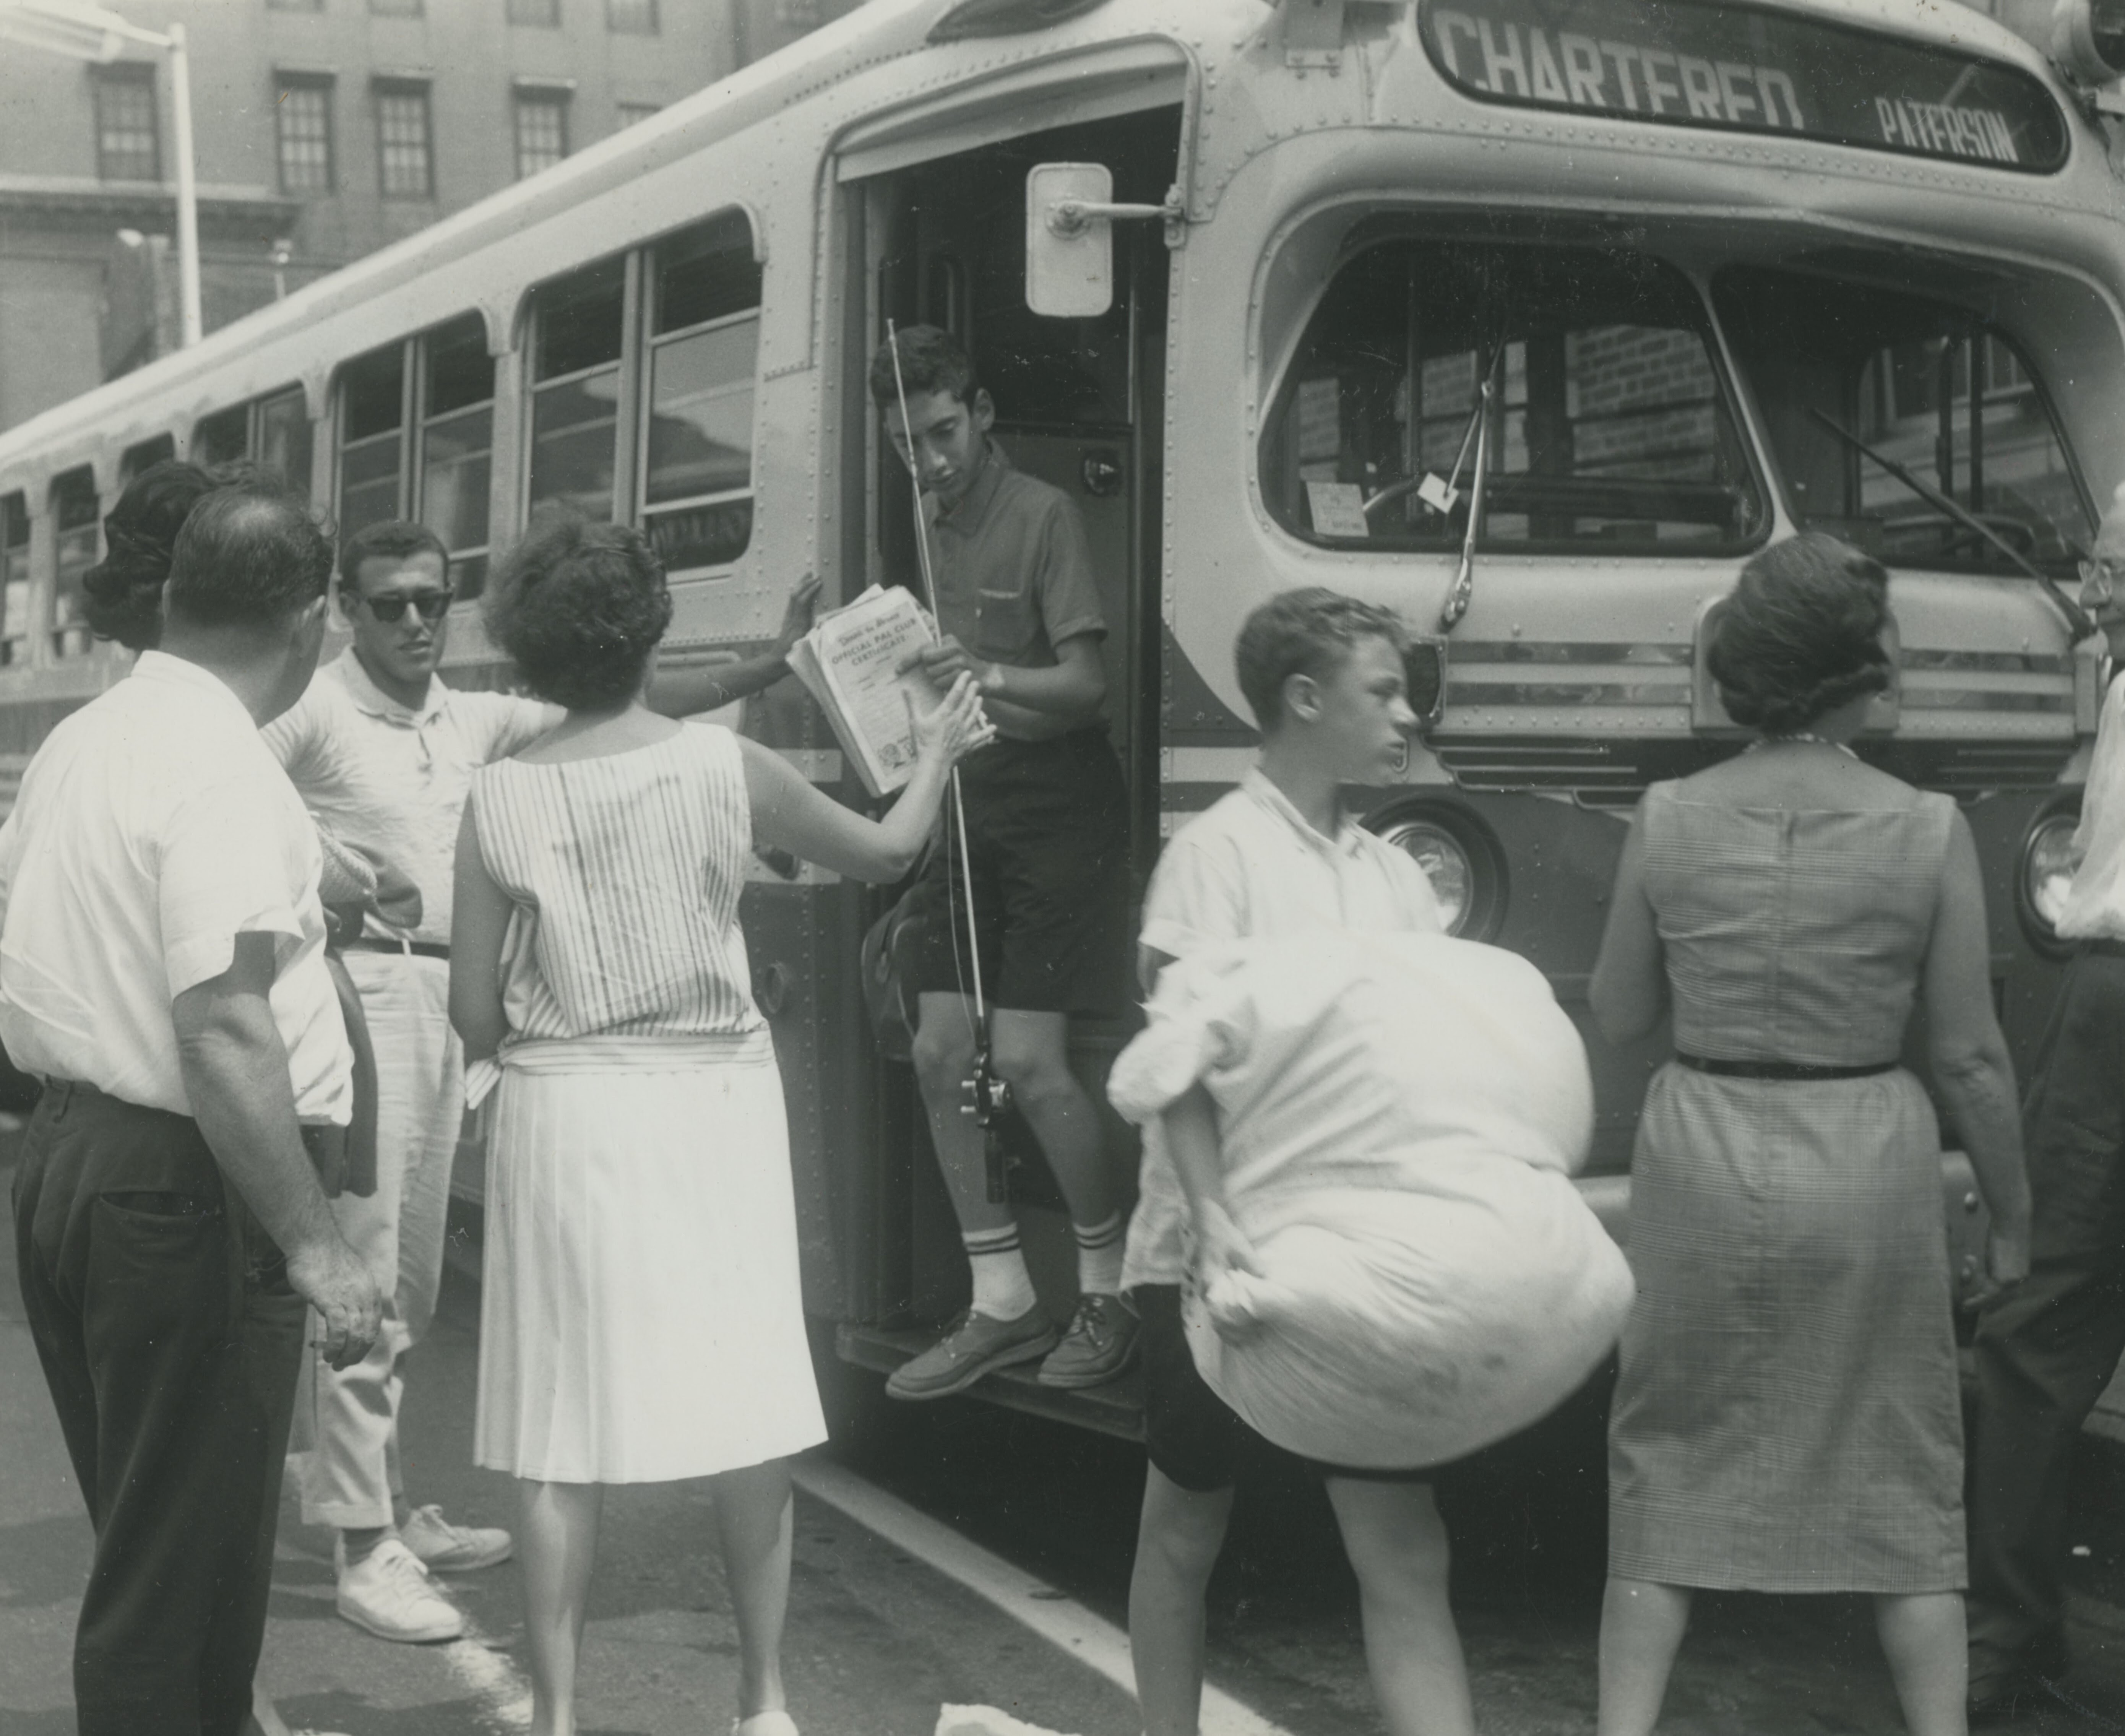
(1251, 866)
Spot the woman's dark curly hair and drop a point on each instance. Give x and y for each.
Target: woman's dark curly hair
(1800, 634)
(123, 597)
(579, 607)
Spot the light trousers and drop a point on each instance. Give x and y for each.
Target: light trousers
(348, 1420)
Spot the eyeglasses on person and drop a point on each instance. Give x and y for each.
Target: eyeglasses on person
(432, 606)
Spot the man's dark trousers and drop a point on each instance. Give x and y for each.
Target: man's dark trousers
(2047, 1348)
(171, 1342)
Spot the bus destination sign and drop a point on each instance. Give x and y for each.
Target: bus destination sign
(1698, 65)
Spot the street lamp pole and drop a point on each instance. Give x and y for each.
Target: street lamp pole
(87, 32)
(190, 327)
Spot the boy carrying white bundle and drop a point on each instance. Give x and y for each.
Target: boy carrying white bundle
(1278, 857)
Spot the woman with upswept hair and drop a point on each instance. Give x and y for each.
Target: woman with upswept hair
(1787, 1417)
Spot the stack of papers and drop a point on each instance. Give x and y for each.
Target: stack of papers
(850, 661)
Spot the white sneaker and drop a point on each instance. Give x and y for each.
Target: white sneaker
(443, 1548)
(390, 1594)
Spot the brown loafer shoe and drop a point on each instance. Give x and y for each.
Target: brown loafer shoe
(973, 1346)
(1099, 1344)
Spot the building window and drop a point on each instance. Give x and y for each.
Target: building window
(405, 158)
(302, 120)
(75, 507)
(542, 130)
(14, 578)
(539, 14)
(441, 385)
(629, 113)
(631, 17)
(126, 134)
(273, 431)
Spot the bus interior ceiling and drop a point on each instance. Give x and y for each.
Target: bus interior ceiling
(1079, 405)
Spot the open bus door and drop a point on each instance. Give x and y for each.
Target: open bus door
(1079, 405)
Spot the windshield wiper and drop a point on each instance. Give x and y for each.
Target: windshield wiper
(2077, 618)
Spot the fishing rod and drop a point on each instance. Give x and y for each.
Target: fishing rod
(985, 1096)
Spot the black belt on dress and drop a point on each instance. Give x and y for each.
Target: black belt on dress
(2105, 948)
(1782, 1070)
(419, 949)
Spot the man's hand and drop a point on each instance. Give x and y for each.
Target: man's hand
(1222, 1246)
(397, 899)
(797, 618)
(2006, 1264)
(945, 663)
(327, 1277)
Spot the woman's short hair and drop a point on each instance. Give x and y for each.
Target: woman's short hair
(1304, 632)
(579, 607)
(122, 593)
(1800, 634)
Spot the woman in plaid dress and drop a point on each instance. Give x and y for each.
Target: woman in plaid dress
(1787, 1418)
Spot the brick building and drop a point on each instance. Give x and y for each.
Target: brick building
(324, 129)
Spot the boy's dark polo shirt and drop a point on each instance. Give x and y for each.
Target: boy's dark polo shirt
(1014, 573)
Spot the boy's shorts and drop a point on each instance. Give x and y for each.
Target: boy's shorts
(1047, 832)
(1194, 1437)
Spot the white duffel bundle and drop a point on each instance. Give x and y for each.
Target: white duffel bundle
(1398, 1116)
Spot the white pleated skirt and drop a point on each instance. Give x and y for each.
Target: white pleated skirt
(642, 1315)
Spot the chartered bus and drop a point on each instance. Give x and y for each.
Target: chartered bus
(1531, 318)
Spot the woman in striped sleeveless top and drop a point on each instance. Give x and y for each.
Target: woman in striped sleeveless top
(642, 1320)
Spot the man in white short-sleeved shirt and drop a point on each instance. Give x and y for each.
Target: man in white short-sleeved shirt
(162, 968)
(383, 751)
(1276, 856)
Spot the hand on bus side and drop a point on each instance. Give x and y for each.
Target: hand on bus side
(797, 617)
(954, 728)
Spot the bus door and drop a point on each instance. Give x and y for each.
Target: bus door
(941, 242)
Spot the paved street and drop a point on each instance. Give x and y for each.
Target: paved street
(980, 1508)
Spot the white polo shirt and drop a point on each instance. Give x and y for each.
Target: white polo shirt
(2095, 907)
(1252, 866)
(153, 829)
(393, 780)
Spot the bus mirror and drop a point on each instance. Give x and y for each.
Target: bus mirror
(1069, 254)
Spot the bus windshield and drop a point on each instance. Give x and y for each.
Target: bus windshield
(1928, 386)
(1612, 429)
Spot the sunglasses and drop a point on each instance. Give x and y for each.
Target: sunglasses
(432, 606)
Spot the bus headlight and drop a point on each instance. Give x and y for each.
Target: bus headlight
(2047, 876)
(1461, 860)
(2088, 39)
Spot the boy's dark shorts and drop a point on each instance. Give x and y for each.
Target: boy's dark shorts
(1047, 830)
(1194, 1437)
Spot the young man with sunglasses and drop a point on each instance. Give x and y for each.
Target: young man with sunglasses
(382, 753)
(2047, 1347)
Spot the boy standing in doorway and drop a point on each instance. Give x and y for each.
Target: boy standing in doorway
(1047, 836)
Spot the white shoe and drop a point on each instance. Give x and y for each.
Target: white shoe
(390, 1594)
(443, 1548)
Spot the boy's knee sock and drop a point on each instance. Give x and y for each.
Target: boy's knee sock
(1100, 1247)
(1003, 1290)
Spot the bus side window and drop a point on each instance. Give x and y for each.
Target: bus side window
(14, 578)
(417, 441)
(663, 344)
(221, 438)
(75, 505)
(144, 456)
(704, 345)
(274, 430)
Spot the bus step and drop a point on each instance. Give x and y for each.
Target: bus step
(1116, 1408)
